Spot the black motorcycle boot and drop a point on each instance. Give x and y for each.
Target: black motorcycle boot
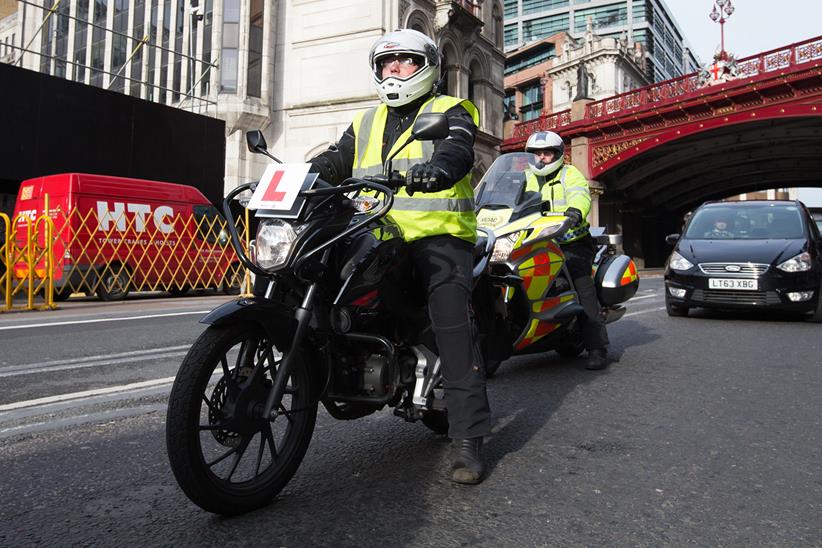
(597, 359)
(466, 466)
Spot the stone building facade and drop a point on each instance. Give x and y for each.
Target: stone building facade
(297, 69)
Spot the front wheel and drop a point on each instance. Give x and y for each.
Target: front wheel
(226, 457)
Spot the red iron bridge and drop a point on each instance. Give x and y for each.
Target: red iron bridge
(658, 151)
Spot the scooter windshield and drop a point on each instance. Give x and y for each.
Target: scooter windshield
(503, 185)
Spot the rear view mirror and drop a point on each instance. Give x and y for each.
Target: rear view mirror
(255, 140)
(671, 239)
(430, 126)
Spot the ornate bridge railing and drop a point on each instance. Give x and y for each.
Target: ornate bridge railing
(780, 59)
(759, 66)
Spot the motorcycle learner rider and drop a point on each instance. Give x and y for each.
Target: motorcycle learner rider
(435, 210)
(566, 189)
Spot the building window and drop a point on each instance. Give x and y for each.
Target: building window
(45, 40)
(61, 40)
(137, 60)
(119, 44)
(537, 6)
(531, 102)
(510, 9)
(80, 39)
(545, 26)
(152, 51)
(178, 50)
(98, 43)
(164, 52)
(509, 106)
(192, 48)
(255, 48)
(511, 34)
(607, 16)
(639, 11)
(208, 18)
(496, 20)
(231, 44)
(531, 59)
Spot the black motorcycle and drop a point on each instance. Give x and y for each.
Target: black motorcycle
(331, 320)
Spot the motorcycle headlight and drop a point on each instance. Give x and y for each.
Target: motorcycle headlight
(800, 263)
(273, 243)
(503, 247)
(678, 262)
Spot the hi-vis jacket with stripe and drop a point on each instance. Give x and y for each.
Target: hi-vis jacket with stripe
(567, 188)
(449, 211)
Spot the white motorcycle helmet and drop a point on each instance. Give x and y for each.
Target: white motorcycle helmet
(543, 140)
(394, 91)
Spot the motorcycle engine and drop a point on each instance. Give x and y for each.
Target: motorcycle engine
(377, 375)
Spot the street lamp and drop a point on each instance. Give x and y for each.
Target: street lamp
(720, 16)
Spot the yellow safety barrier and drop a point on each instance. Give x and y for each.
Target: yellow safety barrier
(76, 252)
(28, 263)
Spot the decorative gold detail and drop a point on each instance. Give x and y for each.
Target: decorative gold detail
(604, 153)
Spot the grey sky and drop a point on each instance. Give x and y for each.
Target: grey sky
(755, 26)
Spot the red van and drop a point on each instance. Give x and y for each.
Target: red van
(114, 234)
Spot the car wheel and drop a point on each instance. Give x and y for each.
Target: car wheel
(115, 281)
(675, 310)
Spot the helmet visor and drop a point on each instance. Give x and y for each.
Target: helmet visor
(398, 64)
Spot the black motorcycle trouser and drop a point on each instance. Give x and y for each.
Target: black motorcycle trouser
(443, 264)
(579, 256)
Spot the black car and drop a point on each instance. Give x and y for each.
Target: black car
(758, 254)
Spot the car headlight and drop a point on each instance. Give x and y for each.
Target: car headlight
(273, 243)
(678, 262)
(800, 263)
(503, 247)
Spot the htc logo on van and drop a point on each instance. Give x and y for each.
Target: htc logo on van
(141, 212)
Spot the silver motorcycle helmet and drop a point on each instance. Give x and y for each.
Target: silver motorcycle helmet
(546, 140)
(393, 90)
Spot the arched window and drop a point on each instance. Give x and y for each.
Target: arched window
(496, 22)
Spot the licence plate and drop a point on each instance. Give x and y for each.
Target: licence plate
(732, 283)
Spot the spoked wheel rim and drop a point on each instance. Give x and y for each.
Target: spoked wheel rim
(241, 450)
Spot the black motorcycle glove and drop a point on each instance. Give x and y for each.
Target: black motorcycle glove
(426, 177)
(575, 215)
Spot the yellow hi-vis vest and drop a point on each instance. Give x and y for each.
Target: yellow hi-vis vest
(567, 188)
(449, 211)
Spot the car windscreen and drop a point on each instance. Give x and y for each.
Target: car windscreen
(753, 221)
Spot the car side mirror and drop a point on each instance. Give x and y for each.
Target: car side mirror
(255, 140)
(672, 239)
(430, 126)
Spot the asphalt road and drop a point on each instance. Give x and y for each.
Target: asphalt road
(705, 430)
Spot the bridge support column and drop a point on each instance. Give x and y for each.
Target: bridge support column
(579, 158)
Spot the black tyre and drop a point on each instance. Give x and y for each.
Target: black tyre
(175, 291)
(571, 349)
(437, 421)
(675, 310)
(226, 458)
(114, 283)
(62, 294)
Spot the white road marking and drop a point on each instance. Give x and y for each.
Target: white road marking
(101, 320)
(86, 394)
(94, 361)
(643, 297)
(643, 311)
